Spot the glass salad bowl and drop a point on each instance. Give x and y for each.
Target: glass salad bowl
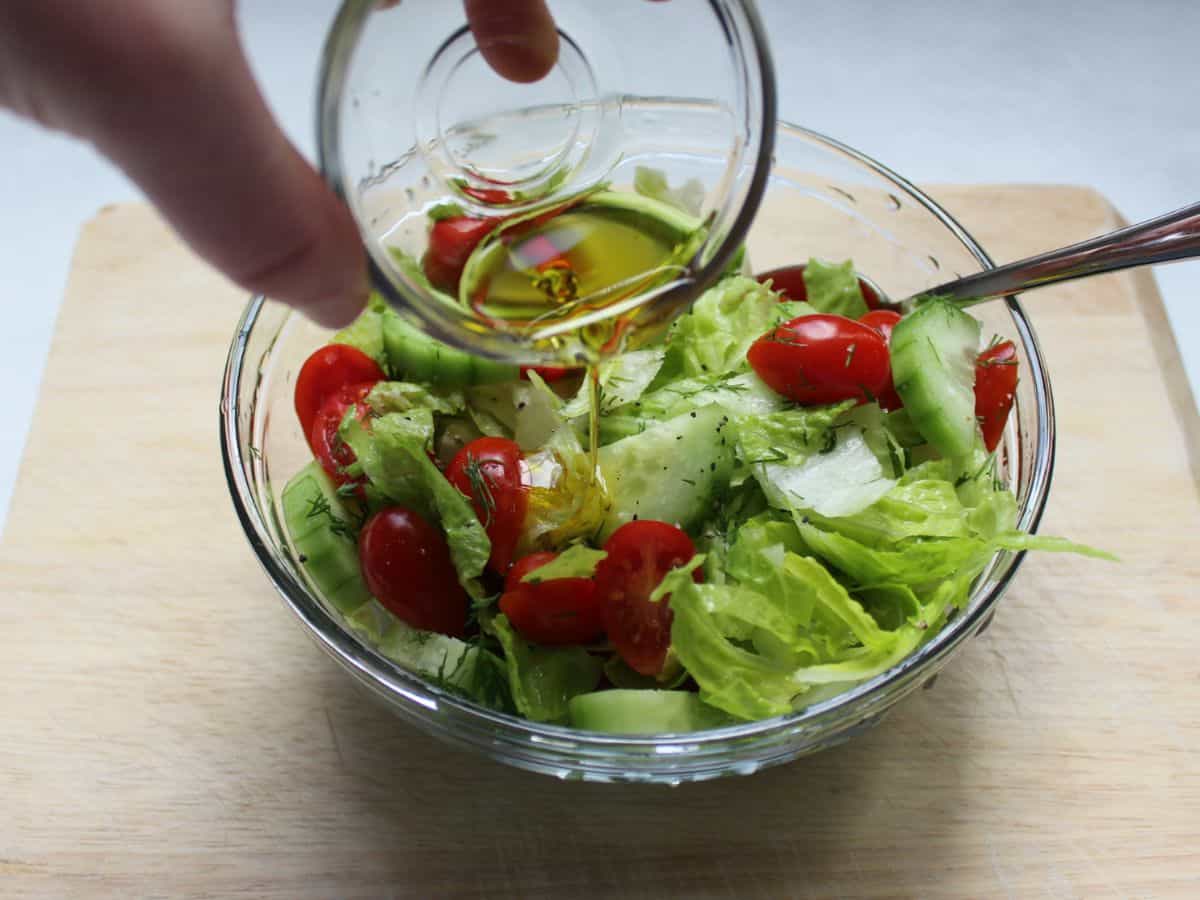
(824, 200)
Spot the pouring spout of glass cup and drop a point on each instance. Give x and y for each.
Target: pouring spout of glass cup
(1167, 238)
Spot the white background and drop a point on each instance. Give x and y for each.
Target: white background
(1054, 91)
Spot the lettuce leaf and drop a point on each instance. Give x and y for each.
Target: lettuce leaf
(833, 288)
(392, 454)
(454, 665)
(528, 411)
(566, 502)
(365, 333)
(839, 481)
(623, 379)
(652, 183)
(404, 396)
(789, 634)
(542, 680)
(577, 561)
(712, 339)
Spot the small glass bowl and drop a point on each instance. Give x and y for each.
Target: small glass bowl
(411, 119)
(824, 200)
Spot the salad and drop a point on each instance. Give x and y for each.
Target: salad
(788, 493)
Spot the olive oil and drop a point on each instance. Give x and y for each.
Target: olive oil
(577, 276)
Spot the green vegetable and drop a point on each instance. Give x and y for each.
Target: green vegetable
(644, 712)
(673, 472)
(415, 356)
(527, 411)
(577, 561)
(833, 288)
(842, 480)
(652, 183)
(403, 396)
(365, 333)
(623, 379)
(457, 666)
(393, 456)
(933, 366)
(757, 655)
(715, 335)
(543, 680)
(323, 531)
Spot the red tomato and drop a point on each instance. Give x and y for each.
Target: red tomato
(883, 321)
(490, 472)
(640, 553)
(995, 387)
(559, 611)
(789, 281)
(822, 359)
(330, 449)
(451, 242)
(407, 567)
(548, 373)
(494, 196)
(325, 373)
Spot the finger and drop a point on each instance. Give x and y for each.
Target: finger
(516, 37)
(165, 91)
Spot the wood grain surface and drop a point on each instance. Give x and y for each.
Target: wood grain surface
(167, 730)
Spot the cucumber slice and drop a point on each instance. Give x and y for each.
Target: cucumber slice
(415, 356)
(312, 511)
(672, 472)
(933, 367)
(643, 712)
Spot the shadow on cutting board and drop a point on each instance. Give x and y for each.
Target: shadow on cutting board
(430, 815)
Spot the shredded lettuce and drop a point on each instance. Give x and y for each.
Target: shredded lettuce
(566, 502)
(712, 339)
(527, 411)
(833, 288)
(623, 379)
(652, 183)
(392, 453)
(365, 333)
(577, 561)
(404, 396)
(841, 479)
(452, 664)
(542, 680)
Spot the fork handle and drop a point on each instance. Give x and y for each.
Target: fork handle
(1169, 237)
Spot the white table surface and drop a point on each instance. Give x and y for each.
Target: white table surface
(1093, 92)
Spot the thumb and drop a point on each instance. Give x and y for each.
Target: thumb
(164, 90)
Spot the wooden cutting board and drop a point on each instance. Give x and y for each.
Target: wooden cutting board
(166, 729)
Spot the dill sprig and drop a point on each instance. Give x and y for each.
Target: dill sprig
(481, 490)
(319, 506)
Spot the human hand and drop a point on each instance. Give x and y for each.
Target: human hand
(163, 89)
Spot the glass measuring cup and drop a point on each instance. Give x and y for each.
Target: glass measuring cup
(590, 222)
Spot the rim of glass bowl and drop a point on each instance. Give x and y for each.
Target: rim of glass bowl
(683, 756)
(454, 326)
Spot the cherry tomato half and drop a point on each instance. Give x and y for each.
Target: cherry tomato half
(548, 374)
(789, 281)
(495, 196)
(883, 321)
(325, 373)
(330, 449)
(995, 387)
(559, 611)
(639, 555)
(489, 471)
(451, 242)
(406, 564)
(822, 359)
